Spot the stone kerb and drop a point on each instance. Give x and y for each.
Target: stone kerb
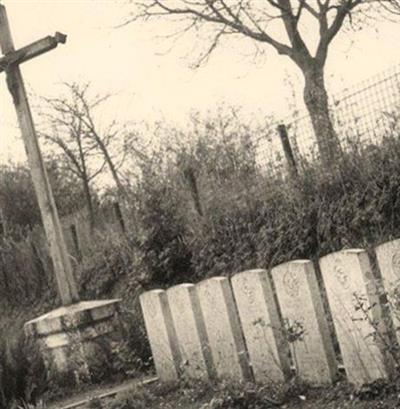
(223, 329)
(354, 304)
(305, 321)
(267, 347)
(161, 333)
(388, 256)
(190, 331)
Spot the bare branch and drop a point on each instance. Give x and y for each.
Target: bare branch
(216, 12)
(328, 33)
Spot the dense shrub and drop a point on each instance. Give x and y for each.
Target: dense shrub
(163, 228)
(355, 205)
(109, 262)
(198, 220)
(19, 211)
(205, 206)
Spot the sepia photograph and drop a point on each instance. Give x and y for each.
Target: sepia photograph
(199, 204)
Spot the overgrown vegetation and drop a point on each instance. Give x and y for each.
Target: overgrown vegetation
(201, 395)
(202, 205)
(249, 220)
(251, 396)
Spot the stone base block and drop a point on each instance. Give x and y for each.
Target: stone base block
(76, 341)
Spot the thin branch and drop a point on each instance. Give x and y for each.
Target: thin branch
(214, 15)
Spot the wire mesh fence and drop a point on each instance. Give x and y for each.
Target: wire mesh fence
(362, 115)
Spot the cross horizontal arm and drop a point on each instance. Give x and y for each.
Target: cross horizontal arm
(32, 50)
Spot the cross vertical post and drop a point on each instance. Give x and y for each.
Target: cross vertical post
(67, 287)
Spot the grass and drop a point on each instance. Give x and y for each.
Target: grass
(198, 395)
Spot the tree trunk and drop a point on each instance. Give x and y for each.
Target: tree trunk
(316, 100)
(114, 173)
(190, 176)
(111, 166)
(85, 179)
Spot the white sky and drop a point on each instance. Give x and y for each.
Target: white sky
(152, 84)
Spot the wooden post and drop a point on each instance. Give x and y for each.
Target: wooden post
(2, 223)
(118, 214)
(288, 150)
(75, 240)
(67, 288)
(194, 190)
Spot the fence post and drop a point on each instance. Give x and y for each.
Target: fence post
(2, 223)
(194, 190)
(288, 150)
(118, 214)
(75, 240)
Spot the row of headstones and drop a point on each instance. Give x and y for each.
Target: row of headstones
(259, 324)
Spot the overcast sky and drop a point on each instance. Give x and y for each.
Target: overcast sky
(153, 82)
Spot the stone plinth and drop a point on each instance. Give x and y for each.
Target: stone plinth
(76, 341)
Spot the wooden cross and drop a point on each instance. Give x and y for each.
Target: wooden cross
(67, 288)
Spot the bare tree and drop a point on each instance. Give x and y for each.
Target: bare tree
(393, 6)
(66, 130)
(102, 138)
(80, 105)
(276, 23)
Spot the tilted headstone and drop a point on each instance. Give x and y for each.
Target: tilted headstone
(190, 331)
(267, 347)
(306, 327)
(161, 334)
(352, 297)
(223, 329)
(388, 256)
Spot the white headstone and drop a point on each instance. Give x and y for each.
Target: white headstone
(267, 347)
(305, 321)
(223, 329)
(388, 256)
(354, 304)
(190, 331)
(161, 334)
